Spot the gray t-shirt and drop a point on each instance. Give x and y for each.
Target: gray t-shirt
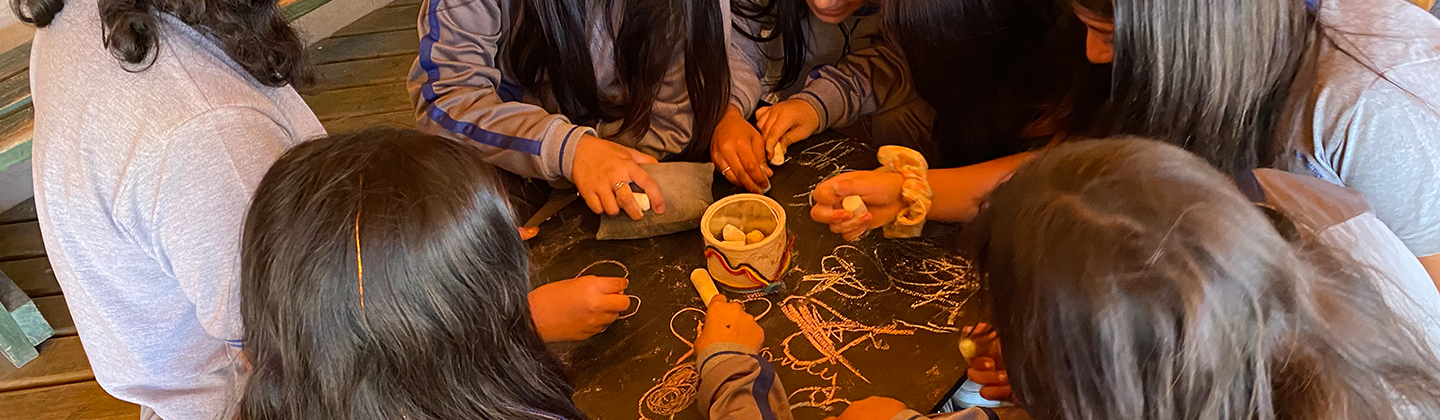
(1375, 123)
(142, 180)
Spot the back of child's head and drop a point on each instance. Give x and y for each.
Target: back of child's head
(382, 278)
(1131, 280)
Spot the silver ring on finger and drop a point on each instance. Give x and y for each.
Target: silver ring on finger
(725, 171)
(619, 185)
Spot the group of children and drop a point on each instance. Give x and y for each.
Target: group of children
(1267, 246)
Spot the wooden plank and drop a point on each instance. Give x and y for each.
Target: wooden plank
(15, 61)
(20, 241)
(360, 47)
(15, 133)
(81, 400)
(397, 119)
(23, 212)
(355, 102)
(62, 361)
(375, 71)
(296, 9)
(383, 20)
(14, 93)
(55, 311)
(33, 275)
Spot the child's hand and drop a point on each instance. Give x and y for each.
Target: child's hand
(575, 309)
(873, 408)
(879, 190)
(603, 170)
(739, 152)
(987, 368)
(527, 233)
(787, 122)
(727, 322)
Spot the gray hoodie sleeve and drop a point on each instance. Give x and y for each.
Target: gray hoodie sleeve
(747, 64)
(736, 383)
(866, 82)
(458, 91)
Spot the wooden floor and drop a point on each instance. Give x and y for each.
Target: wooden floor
(363, 69)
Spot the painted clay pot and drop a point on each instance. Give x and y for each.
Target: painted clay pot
(751, 267)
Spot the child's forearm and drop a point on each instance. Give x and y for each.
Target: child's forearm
(960, 191)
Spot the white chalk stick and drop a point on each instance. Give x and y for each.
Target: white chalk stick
(704, 285)
(778, 158)
(643, 200)
(754, 236)
(855, 205)
(731, 233)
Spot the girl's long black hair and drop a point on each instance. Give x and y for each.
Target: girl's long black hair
(382, 278)
(777, 20)
(551, 45)
(252, 32)
(990, 68)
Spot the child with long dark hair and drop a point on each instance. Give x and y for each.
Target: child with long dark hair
(1129, 279)
(382, 278)
(960, 81)
(575, 90)
(154, 120)
(1344, 90)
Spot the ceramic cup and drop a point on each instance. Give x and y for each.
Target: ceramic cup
(753, 267)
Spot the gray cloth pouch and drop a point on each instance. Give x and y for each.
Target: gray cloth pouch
(21, 326)
(686, 189)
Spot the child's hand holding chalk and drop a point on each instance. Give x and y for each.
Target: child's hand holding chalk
(981, 349)
(727, 322)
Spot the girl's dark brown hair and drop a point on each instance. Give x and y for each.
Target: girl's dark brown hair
(990, 68)
(254, 33)
(382, 278)
(1132, 280)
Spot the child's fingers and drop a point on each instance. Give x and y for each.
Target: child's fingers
(592, 201)
(627, 202)
(827, 215)
(608, 285)
(651, 188)
(527, 233)
(612, 303)
(996, 393)
(718, 298)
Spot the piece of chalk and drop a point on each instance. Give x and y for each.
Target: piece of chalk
(753, 237)
(855, 205)
(778, 158)
(967, 346)
(731, 233)
(643, 200)
(735, 244)
(705, 286)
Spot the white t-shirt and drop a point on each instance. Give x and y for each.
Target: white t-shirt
(142, 180)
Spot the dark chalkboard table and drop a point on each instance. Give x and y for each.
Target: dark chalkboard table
(873, 317)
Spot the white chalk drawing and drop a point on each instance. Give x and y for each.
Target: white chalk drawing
(603, 262)
(830, 334)
(674, 392)
(841, 275)
(825, 157)
(634, 309)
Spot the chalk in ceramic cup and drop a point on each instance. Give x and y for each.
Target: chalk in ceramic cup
(733, 234)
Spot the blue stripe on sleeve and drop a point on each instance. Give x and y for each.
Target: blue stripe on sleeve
(763, 383)
(427, 90)
(824, 108)
(762, 388)
(562, 148)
